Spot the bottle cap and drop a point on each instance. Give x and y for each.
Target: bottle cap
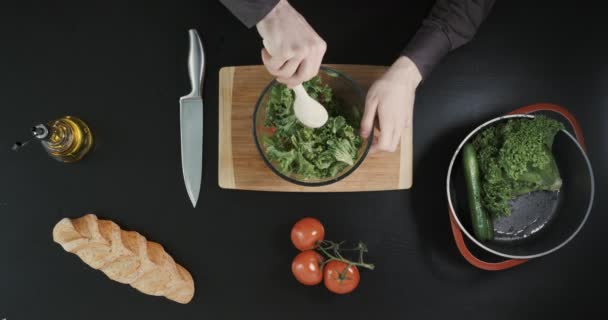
(39, 131)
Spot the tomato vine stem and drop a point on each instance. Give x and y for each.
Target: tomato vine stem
(331, 250)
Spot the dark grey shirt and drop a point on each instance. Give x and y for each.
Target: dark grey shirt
(450, 24)
(250, 12)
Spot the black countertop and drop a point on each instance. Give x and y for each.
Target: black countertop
(122, 67)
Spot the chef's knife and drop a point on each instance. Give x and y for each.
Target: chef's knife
(191, 120)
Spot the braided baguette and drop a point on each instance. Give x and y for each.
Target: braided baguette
(125, 256)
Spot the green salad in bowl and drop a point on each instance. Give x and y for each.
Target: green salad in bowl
(309, 156)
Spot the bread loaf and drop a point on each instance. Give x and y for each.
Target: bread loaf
(125, 256)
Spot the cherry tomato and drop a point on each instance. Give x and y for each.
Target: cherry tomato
(307, 233)
(306, 267)
(340, 278)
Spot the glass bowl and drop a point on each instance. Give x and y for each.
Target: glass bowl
(352, 103)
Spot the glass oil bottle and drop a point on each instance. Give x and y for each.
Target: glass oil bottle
(67, 139)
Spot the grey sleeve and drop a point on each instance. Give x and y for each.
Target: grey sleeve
(450, 24)
(250, 12)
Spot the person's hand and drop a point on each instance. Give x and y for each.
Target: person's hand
(391, 100)
(293, 50)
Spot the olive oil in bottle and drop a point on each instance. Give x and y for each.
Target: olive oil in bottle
(66, 139)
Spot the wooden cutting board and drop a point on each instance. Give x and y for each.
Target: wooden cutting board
(241, 166)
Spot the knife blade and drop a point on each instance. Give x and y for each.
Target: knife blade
(191, 120)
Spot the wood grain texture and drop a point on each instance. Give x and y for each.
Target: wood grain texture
(240, 165)
(226, 175)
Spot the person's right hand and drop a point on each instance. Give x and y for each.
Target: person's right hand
(293, 50)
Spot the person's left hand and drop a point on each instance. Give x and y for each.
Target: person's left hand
(391, 100)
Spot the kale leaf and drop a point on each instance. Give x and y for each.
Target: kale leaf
(515, 158)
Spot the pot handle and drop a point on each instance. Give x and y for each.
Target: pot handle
(472, 259)
(510, 263)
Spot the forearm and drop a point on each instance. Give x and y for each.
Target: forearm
(450, 24)
(250, 12)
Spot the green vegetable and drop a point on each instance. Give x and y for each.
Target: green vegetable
(342, 150)
(482, 226)
(515, 158)
(312, 153)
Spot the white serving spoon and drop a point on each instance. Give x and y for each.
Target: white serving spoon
(307, 110)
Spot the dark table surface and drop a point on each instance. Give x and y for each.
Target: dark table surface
(121, 66)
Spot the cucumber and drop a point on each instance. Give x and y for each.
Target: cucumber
(482, 225)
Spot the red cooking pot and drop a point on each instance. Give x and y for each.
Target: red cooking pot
(540, 222)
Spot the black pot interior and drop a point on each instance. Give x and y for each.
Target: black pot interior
(542, 221)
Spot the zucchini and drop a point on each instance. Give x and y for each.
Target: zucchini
(482, 225)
